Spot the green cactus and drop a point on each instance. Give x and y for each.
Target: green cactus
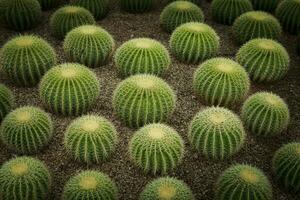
(180, 12)
(90, 185)
(221, 81)
(243, 182)
(99, 8)
(197, 2)
(142, 55)
(24, 178)
(167, 188)
(25, 59)
(69, 89)
(143, 99)
(265, 5)
(89, 45)
(6, 101)
(256, 24)
(226, 11)
(286, 165)
(156, 148)
(288, 13)
(264, 60)
(67, 18)
(265, 114)
(49, 4)
(193, 42)
(137, 6)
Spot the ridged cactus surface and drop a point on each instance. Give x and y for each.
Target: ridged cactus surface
(288, 13)
(265, 5)
(99, 8)
(6, 101)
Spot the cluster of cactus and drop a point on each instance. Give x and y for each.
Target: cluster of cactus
(49, 4)
(288, 13)
(193, 42)
(143, 99)
(221, 81)
(89, 45)
(69, 89)
(156, 148)
(265, 114)
(180, 12)
(90, 185)
(167, 188)
(6, 101)
(264, 60)
(99, 8)
(91, 139)
(216, 133)
(256, 24)
(266, 5)
(24, 178)
(25, 59)
(137, 6)
(142, 55)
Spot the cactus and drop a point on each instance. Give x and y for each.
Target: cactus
(264, 60)
(91, 139)
(67, 18)
(6, 101)
(221, 81)
(243, 182)
(90, 185)
(256, 24)
(197, 2)
(89, 45)
(193, 42)
(142, 55)
(156, 148)
(166, 188)
(265, 114)
(24, 178)
(226, 11)
(265, 5)
(69, 89)
(286, 165)
(99, 8)
(180, 12)
(25, 59)
(288, 13)
(143, 99)
(49, 4)
(137, 6)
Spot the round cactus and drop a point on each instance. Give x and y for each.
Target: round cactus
(264, 60)
(288, 13)
(142, 55)
(216, 133)
(69, 17)
(226, 11)
(265, 114)
(91, 139)
(25, 59)
(221, 81)
(243, 182)
(24, 178)
(197, 2)
(286, 165)
(266, 5)
(99, 8)
(137, 6)
(256, 24)
(180, 12)
(143, 99)
(49, 4)
(69, 89)
(166, 188)
(89, 45)
(6, 101)
(156, 148)
(90, 185)
(193, 42)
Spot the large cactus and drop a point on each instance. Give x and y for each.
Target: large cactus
(288, 13)
(99, 8)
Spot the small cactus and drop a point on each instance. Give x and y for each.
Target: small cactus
(142, 55)
(99, 8)
(265, 5)
(6, 101)
(288, 13)
(137, 6)
(193, 42)
(49, 4)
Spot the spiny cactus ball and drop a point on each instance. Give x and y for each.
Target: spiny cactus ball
(256, 24)
(264, 60)
(216, 133)
(90, 185)
(24, 178)
(193, 42)
(143, 99)
(137, 6)
(166, 188)
(265, 114)
(142, 55)
(99, 8)
(89, 45)
(288, 13)
(25, 59)
(180, 12)
(156, 148)
(197, 2)
(67, 18)
(266, 5)
(6, 101)
(221, 81)
(49, 4)
(91, 139)
(243, 182)
(286, 165)
(69, 89)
